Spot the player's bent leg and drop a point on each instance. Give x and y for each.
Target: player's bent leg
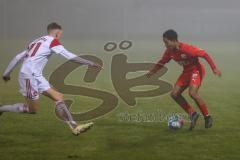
(177, 91)
(31, 106)
(29, 89)
(193, 92)
(63, 113)
(176, 94)
(17, 108)
(54, 95)
(61, 109)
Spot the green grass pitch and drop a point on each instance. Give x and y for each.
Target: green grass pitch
(43, 136)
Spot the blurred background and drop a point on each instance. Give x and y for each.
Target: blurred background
(205, 19)
(88, 25)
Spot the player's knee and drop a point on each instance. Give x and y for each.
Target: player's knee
(32, 110)
(174, 95)
(193, 94)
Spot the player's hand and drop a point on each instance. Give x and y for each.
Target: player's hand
(149, 74)
(99, 67)
(6, 78)
(217, 72)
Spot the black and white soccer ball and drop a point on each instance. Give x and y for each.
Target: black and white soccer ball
(175, 122)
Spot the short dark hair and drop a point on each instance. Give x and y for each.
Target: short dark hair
(170, 35)
(53, 25)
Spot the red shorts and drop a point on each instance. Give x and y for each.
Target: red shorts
(192, 77)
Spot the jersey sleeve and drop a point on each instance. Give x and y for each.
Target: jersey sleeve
(164, 59)
(19, 57)
(198, 52)
(54, 43)
(59, 49)
(63, 52)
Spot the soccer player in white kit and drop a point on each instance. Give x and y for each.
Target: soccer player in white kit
(32, 83)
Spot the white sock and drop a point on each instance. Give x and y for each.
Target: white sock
(17, 108)
(63, 113)
(72, 124)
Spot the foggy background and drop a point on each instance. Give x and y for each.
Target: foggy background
(89, 24)
(122, 19)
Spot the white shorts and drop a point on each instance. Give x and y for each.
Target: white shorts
(32, 86)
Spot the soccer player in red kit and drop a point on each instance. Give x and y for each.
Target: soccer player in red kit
(192, 75)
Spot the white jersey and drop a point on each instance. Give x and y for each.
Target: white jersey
(34, 59)
(37, 54)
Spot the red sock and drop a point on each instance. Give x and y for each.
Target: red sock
(188, 108)
(204, 109)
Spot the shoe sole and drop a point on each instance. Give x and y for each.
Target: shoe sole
(87, 128)
(84, 129)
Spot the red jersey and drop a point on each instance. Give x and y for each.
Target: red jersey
(187, 56)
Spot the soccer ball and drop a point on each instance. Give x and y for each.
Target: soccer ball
(175, 122)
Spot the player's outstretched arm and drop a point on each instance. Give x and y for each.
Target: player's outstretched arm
(154, 70)
(214, 68)
(19, 57)
(74, 58)
(164, 59)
